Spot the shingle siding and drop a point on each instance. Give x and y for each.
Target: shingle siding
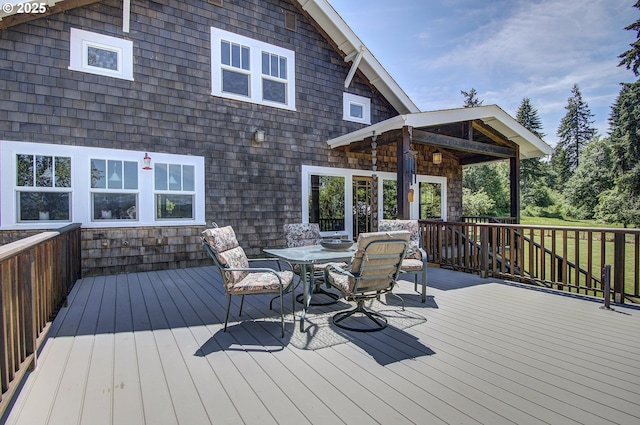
(169, 108)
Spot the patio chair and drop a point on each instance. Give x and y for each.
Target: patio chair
(416, 260)
(374, 268)
(305, 234)
(240, 279)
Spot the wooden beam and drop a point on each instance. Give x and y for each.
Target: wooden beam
(13, 20)
(492, 134)
(514, 181)
(463, 145)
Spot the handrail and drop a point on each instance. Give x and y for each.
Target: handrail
(565, 258)
(36, 276)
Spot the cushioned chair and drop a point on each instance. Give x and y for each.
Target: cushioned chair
(305, 234)
(416, 260)
(240, 279)
(374, 268)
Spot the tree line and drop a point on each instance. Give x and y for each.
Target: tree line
(589, 176)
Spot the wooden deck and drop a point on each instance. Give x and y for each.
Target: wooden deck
(148, 348)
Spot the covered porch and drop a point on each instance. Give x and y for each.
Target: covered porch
(148, 348)
(422, 141)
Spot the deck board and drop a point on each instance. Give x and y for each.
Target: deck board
(148, 348)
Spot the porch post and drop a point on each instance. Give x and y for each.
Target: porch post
(403, 182)
(514, 183)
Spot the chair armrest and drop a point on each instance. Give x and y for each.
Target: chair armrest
(255, 270)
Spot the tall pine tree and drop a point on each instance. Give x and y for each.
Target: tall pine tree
(575, 131)
(531, 169)
(471, 98)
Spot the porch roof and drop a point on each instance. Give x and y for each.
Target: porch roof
(476, 134)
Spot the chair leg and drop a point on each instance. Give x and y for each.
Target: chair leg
(241, 304)
(226, 317)
(424, 284)
(282, 311)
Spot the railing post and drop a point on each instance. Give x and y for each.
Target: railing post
(606, 283)
(618, 268)
(484, 251)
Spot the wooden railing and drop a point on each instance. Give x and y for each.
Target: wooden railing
(570, 259)
(37, 274)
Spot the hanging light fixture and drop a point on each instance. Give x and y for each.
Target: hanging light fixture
(147, 162)
(437, 157)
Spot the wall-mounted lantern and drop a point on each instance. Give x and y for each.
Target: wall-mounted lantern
(147, 162)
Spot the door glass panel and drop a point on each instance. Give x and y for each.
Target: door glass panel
(362, 219)
(430, 201)
(389, 199)
(326, 202)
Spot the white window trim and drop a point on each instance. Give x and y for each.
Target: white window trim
(81, 40)
(255, 75)
(349, 99)
(349, 174)
(81, 207)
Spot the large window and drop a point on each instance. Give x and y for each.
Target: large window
(43, 185)
(114, 189)
(100, 54)
(53, 185)
(252, 71)
(175, 191)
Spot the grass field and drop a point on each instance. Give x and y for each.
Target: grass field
(601, 250)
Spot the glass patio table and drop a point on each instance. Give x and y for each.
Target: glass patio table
(306, 257)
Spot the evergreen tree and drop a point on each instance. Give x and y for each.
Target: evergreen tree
(631, 58)
(575, 131)
(590, 179)
(531, 170)
(471, 99)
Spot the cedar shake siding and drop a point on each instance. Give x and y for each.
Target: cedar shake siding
(168, 108)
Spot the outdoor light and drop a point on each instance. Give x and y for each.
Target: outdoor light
(437, 157)
(258, 136)
(147, 162)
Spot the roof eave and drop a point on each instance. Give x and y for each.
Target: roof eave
(348, 42)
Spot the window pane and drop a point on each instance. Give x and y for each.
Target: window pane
(44, 173)
(389, 199)
(63, 171)
(274, 66)
(273, 91)
(175, 177)
(225, 53)
(50, 206)
(114, 206)
(356, 111)
(98, 173)
(234, 82)
(326, 202)
(235, 55)
(161, 176)
(245, 58)
(430, 200)
(265, 63)
(102, 58)
(115, 174)
(174, 206)
(283, 68)
(188, 178)
(24, 173)
(130, 175)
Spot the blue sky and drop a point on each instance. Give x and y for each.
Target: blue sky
(505, 49)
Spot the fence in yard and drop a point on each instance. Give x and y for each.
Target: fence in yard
(570, 259)
(37, 274)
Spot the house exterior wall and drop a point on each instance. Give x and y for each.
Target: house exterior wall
(169, 108)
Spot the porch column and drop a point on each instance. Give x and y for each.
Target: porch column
(403, 183)
(514, 183)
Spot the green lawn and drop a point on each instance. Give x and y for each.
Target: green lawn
(548, 221)
(631, 261)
